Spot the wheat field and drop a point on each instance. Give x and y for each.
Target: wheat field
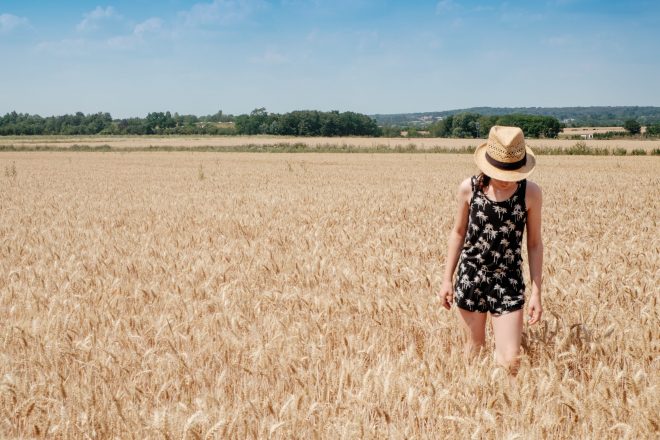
(238, 295)
(129, 142)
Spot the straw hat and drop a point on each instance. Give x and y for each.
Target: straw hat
(505, 156)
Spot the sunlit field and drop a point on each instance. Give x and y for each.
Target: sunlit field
(192, 142)
(243, 295)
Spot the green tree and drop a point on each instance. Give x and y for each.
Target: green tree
(254, 122)
(653, 130)
(632, 126)
(485, 124)
(465, 125)
(442, 128)
(391, 131)
(330, 124)
(533, 125)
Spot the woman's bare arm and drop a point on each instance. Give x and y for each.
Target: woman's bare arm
(534, 203)
(455, 242)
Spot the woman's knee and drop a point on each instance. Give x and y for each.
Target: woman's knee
(477, 339)
(508, 357)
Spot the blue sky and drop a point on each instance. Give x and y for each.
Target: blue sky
(133, 57)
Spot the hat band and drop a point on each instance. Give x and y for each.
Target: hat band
(506, 165)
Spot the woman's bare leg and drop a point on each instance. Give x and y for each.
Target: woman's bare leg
(474, 324)
(507, 329)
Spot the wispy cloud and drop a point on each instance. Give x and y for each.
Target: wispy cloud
(10, 22)
(521, 17)
(153, 24)
(140, 32)
(445, 6)
(91, 20)
(84, 46)
(221, 12)
(482, 8)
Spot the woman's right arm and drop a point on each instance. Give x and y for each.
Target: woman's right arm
(455, 242)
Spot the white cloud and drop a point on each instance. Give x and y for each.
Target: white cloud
(83, 46)
(9, 22)
(445, 6)
(140, 31)
(150, 25)
(221, 12)
(520, 17)
(92, 19)
(482, 8)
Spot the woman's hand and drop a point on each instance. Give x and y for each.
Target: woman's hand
(535, 309)
(446, 294)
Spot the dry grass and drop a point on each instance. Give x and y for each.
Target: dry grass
(575, 131)
(231, 141)
(181, 295)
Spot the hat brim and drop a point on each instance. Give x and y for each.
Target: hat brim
(505, 175)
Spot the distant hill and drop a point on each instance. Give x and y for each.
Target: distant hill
(571, 116)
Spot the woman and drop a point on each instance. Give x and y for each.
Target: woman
(486, 241)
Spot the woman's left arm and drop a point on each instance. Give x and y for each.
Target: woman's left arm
(534, 249)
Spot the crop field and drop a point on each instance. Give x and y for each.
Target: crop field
(189, 295)
(193, 142)
(576, 131)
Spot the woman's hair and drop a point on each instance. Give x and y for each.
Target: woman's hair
(482, 181)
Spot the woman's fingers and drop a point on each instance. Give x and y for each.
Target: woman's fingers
(535, 313)
(447, 299)
(532, 311)
(539, 312)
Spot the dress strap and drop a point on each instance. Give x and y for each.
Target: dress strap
(522, 190)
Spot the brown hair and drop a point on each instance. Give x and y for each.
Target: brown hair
(482, 181)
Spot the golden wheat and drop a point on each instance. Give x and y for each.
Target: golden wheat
(238, 295)
(127, 142)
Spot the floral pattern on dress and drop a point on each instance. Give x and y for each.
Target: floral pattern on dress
(490, 277)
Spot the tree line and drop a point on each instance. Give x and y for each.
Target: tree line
(653, 130)
(259, 121)
(475, 125)
(603, 116)
(307, 123)
(296, 123)
(18, 124)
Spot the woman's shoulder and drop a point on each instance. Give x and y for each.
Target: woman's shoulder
(465, 189)
(466, 185)
(533, 188)
(533, 193)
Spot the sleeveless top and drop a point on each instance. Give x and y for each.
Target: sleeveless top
(495, 230)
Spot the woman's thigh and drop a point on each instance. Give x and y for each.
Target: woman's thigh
(474, 324)
(507, 329)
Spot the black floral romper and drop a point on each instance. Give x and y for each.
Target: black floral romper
(489, 275)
